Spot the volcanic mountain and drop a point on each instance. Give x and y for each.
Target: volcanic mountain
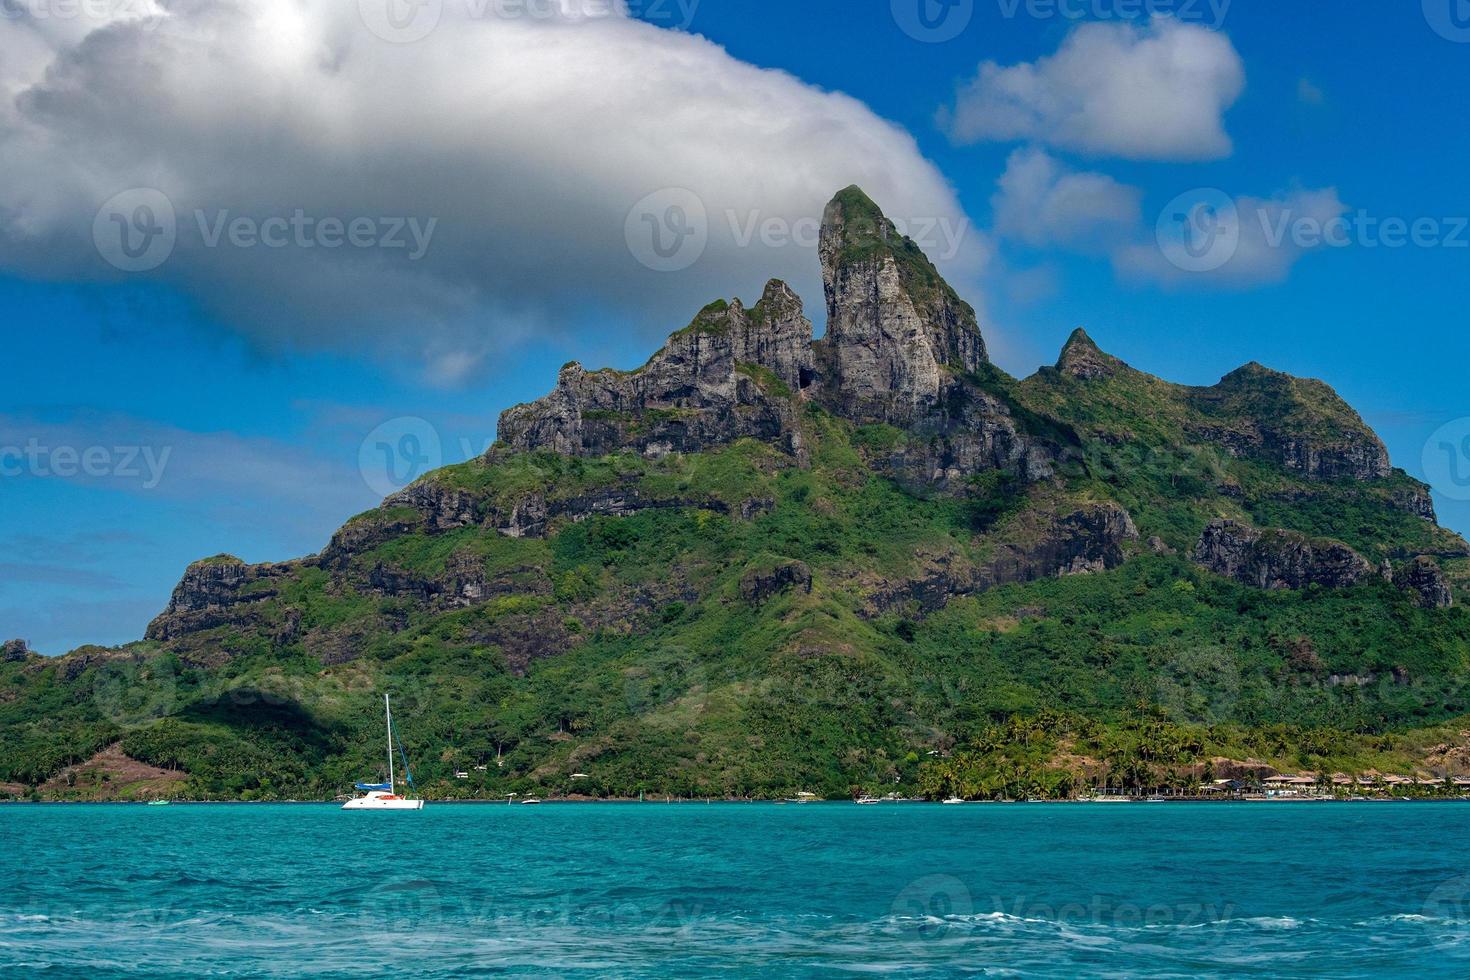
(763, 562)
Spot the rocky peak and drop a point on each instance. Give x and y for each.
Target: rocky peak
(896, 331)
(14, 650)
(731, 373)
(1298, 423)
(209, 593)
(1084, 360)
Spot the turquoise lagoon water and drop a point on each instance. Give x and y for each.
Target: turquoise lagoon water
(690, 889)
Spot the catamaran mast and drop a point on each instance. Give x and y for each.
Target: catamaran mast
(388, 710)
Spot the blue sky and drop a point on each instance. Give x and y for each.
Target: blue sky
(236, 399)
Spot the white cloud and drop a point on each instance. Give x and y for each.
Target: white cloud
(1154, 92)
(1249, 242)
(1041, 203)
(529, 139)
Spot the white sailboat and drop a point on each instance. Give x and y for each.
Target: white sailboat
(381, 796)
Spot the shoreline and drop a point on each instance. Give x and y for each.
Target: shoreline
(886, 804)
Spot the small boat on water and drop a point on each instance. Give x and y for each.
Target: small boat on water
(802, 798)
(953, 799)
(530, 801)
(382, 796)
(159, 802)
(866, 800)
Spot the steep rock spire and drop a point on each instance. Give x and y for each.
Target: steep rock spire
(896, 331)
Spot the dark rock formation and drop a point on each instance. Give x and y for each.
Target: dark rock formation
(730, 374)
(1297, 423)
(1426, 579)
(1040, 545)
(14, 650)
(1276, 559)
(214, 592)
(761, 583)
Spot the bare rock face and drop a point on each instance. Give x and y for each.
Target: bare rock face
(760, 584)
(1276, 559)
(1296, 423)
(1427, 581)
(730, 374)
(214, 592)
(14, 651)
(1043, 545)
(896, 331)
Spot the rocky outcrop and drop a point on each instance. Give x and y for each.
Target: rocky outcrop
(13, 651)
(1083, 360)
(1296, 423)
(532, 515)
(1037, 545)
(762, 582)
(730, 374)
(1415, 499)
(217, 591)
(896, 332)
(1276, 559)
(970, 432)
(1427, 581)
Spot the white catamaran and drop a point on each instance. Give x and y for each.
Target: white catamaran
(380, 796)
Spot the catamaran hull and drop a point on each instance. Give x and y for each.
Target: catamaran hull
(372, 803)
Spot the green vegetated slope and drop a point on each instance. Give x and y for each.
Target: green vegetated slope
(677, 683)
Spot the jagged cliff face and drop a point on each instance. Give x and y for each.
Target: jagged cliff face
(904, 365)
(757, 534)
(729, 375)
(896, 332)
(1275, 559)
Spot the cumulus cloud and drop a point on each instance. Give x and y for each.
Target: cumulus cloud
(519, 144)
(1206, 239)
(1042, 203)
(1142, 92)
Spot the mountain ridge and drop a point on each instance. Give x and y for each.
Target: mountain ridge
(881, 512)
